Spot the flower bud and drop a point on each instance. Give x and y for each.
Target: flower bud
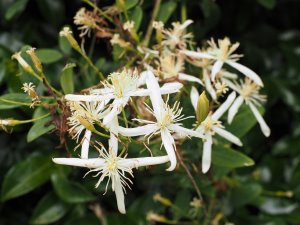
(66, 32)
(162, 200)
(202, 107)
(120, 4)
(36, 61)
(86, 123)
(22, 62)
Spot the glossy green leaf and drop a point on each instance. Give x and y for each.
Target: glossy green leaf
(243, 121)
(17, 7)
(137, 16)
(70, 192)
(244, 193)
(14, 100)
(166, 10)
(66, 78)
(48, 55)
(39, 128)
(49, 209)
(26, 176)
(229, 158)
(130, 3)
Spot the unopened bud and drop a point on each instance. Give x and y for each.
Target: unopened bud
(84, 122)
(129, 26)
(36, 61)
(162, 200)
(151, 216)
(22, 62)
(202, 107)
(66, 32)
(158, 26)
(120, 4)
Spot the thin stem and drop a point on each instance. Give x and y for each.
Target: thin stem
(153, 17)
(100, 133)
(99, 10)
(33, 119)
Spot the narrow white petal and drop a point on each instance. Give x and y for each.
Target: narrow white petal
(119, 194)
(89, 98)
(263, 125)
(183, 76)
(155, 95)
(142, 78)
(113, 140)
(102, 91)
(137, 131)
(170, 88)
(169, 145)
(144, 161)
(185, 24)
(223, 108)
(85, 145)
(116, 109)
(228, 136)
(194, 97)
(197, 54)
(208, 86)
(234, 108)
(206, 156)
(246, 71)
(181, 130)
(89, 163)
(216, 69)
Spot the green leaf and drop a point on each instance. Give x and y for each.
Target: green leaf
(48, 55)
(14, 100)
(243, 121)
(17, 7)
(49, 209)
(137, 16)
(70, 192)
(86, 220)
(269, 4)
(26, 176)
(230, 158)
(66, 78)
(130, 3)
(39, 128)
(244, 194)
(166, 10)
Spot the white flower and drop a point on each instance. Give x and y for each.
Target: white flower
(212, 125)
(29, 88)
(120, 87)
(167, 121)
(222, 53)
(249, 93)
(115, 168)
(177, 37)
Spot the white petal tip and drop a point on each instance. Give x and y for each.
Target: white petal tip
(267, 132)
(205, 168)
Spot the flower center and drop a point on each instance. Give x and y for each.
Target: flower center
(209, 123)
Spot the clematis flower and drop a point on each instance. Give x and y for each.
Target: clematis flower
(222, 53)
(120, 87)
(211, 126)
(117, 169)
(249, 93)
(177, 37)
(167, 121)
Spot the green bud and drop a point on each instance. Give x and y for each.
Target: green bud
(120, 4)
(202, 107)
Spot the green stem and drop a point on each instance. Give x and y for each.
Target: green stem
(99, 10)
(153, 17)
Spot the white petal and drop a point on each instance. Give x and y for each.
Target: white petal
(85, 145)
(102, 91)
(144, 161)
(206, 156)
(137, 131)
(197, 54)
(208, 86)
(185, 24)
(223, 108)
(181, 130)
(155, 95)
(113, 140)
(234, 108)
(142, 78)
(216, 69)
(89, 163)
(194, 97)
(183, 76)
(170, 147)
(119, 194)
(263, 125)
(89, 98)
(170, 88)
(246, 71)
(116, 109)
(228, 136)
